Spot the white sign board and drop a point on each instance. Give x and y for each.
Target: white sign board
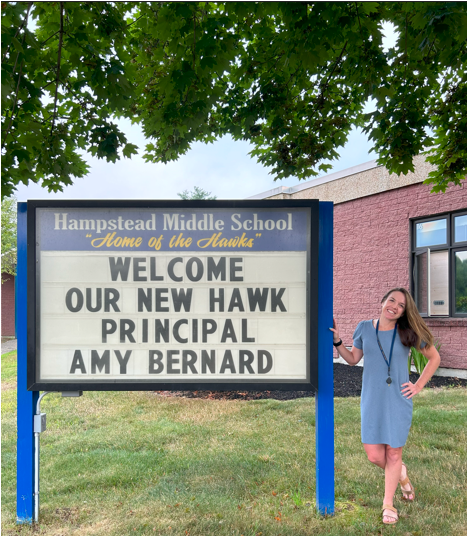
(171, 295)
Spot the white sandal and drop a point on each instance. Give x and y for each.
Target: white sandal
(392, 511)
(406, 493)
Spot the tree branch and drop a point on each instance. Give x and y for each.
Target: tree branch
(49, 38)
(358, 16)
(14, 106)
(136, 20)
(336, 63)
(23, 24)
(57, 80)
(194, 39)
(7, 132)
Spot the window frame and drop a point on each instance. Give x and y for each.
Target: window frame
(453, 278)
(451, 246)
(453, 216)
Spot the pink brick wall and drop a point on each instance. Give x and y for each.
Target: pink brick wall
(8, 305)
(372, 255)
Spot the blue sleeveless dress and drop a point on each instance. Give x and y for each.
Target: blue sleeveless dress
(386, 414)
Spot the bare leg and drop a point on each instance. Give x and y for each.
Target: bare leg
(376, 454)
(392, 473)
(390, 460)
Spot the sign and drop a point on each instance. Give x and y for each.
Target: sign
(144, 295)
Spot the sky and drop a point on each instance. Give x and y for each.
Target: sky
(223, 168)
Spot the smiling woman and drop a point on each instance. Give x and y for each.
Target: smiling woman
(386, 405)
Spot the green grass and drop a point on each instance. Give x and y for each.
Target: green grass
(121, 463)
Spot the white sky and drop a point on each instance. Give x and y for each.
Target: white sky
(223, 168)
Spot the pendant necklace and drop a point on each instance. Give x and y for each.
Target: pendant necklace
(388, 363)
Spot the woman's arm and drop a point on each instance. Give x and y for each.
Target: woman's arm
(412, 389)
(352, 356)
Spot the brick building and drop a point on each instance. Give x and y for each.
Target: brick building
(8, 305)
(390, 231)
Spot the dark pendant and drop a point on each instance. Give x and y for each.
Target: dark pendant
(389, 381)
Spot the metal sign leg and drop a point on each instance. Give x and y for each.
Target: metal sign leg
(324, 399)
(25, 464)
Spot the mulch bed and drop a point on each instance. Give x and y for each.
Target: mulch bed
(347, 382)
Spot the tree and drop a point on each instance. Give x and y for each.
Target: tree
(197, 193)
(9, 236)
(290, 77)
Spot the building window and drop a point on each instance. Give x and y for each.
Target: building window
(439, 260)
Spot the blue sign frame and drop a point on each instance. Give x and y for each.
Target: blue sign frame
(27, 399)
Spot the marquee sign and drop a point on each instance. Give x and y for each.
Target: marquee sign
(141, 295)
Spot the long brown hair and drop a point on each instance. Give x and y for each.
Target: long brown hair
(410, 326)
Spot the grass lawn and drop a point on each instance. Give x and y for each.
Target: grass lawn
(124, 463)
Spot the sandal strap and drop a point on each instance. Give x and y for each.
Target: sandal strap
(405, 481)
(389, 507)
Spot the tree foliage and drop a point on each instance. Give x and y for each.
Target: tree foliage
(293, 78)
(197, 193)
(9, 235)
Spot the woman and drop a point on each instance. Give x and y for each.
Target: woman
(386, 402)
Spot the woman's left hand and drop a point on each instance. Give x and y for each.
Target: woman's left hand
(410, 389)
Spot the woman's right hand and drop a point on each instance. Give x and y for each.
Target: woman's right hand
(335, 331)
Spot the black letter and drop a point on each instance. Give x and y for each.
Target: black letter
(123, 360)
(171, 362)
(100, 362)
(126, 329)
(236, 301)
(183, 297)
(161, 330)
(117, 268)
(89, 306)
(79, 300)
(108, 327)
(215, 270)
(175, 329)
(154, 277)
(145, 330)
(208, 361)
(259, 297)
(234, 268)
(213, 300)
(111, 296)
(261, 368)
(199, 269)
(246, 359)
(245, 337)
(77, 363)
(153, 361)
(137, 269)
(144, 299)
(227, 363)
(277, 301)
(207, 331)
(194, 330)
(170, 269)
(189, 359)
(228, 332)
(160, 299)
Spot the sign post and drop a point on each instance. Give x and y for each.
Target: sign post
(25, 467)
(325, 394)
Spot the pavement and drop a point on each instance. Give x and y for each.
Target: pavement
(8, 345)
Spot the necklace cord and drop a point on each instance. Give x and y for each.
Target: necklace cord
(388, 363)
